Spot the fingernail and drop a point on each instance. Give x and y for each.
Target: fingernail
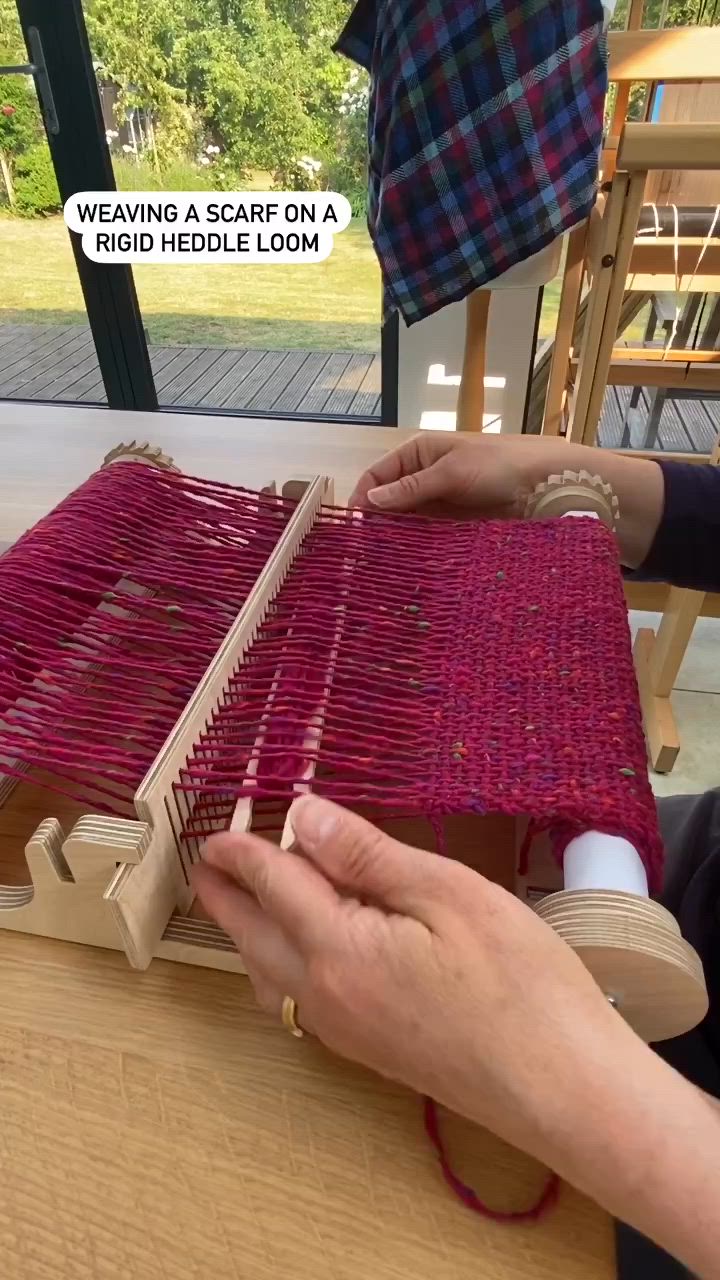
(313, 820)
(382, 496)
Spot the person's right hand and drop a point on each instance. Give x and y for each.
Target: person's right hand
(418, 967)
(421, 969)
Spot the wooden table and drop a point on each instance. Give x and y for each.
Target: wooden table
(156, 1126)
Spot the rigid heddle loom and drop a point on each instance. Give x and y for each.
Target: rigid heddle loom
(180, 657)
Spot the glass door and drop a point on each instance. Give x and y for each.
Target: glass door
(184, 95)
(46, 346)
(229, 95)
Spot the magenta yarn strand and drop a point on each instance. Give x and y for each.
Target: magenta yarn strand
(545, 1201)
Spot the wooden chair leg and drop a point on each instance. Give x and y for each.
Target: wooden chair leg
(603, 253)
(652, 426)
(711, 332)
(564, 330)
(658, 658)
(615, 292)
(471, 394)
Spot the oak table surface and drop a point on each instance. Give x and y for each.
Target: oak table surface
(156, 1126)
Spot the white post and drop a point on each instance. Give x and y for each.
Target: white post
(597, 861)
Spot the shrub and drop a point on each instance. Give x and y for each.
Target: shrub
(358, 202)
(178, 175)
(36, 188)
(20, 124)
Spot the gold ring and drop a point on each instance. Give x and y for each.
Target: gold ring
(289, 1017)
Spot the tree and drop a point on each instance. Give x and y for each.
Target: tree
(20, 123)
(12, 45)
(268, 89)
(20, 126)
(133, 40)
(257, 77)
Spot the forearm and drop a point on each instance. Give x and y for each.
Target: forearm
(669, 525)
(645, 1144)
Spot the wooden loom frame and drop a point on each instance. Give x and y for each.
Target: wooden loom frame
(121, 883)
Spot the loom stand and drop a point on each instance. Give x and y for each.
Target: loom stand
(658, 657)
(70, 895)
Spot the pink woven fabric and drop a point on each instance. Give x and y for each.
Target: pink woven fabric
(441, 667)
(407, 665)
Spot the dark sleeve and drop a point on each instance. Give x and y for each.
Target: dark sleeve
(686, 550)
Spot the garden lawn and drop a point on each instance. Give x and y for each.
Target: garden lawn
(332, 305)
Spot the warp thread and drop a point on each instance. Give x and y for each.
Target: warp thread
(111, 609)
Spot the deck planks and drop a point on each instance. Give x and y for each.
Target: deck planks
(686, 426)
(58, 362)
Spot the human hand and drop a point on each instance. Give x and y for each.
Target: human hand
(443, 473)
(420, 969)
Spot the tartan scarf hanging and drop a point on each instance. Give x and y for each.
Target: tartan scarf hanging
(484, 133)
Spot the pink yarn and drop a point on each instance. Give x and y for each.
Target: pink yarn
(447, 668)
(111, 609)
(545, 1201)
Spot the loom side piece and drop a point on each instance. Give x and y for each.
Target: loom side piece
(635, 952)
(68, 878)
(67, 898)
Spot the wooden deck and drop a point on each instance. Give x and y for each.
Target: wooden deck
(686, 426)
(43, 362)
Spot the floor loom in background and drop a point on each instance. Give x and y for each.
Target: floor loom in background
(616, 258)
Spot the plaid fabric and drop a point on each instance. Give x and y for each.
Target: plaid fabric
(484, 130)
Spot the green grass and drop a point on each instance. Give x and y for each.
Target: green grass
(332, 305)
(327, 306)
